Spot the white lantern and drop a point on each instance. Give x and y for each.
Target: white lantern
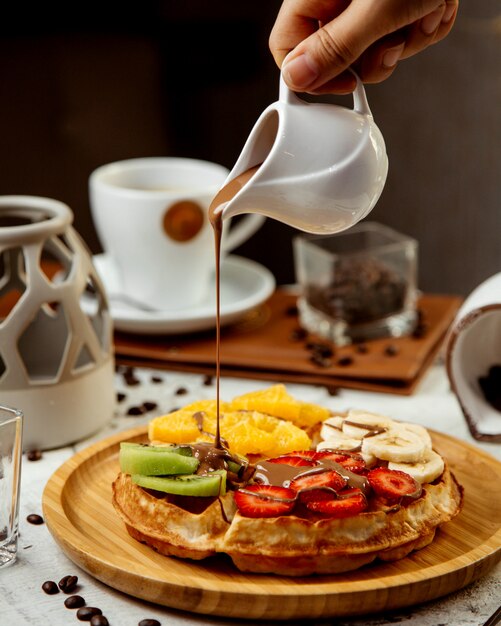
(56, 361)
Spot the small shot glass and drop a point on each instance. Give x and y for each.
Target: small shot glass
(357, 285)
(11, 449)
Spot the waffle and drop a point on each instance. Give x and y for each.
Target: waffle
(290, 545)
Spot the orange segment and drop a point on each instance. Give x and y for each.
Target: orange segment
(278, 402)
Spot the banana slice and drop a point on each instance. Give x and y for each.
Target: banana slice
(397, 444)
(421, 431)
(425, 471)
(331, 426)
(339, 441)
(359, 423)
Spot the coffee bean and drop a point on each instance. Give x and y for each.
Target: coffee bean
(298, 334)
(86, 613)
(321, 349)
(420, 331)
(149, 622)
(74, 602)
(150, 406)
(50, 587)
(332, 390)
(121, 396)
(344, 361)
(320, 361)
(33, 518)
(291, 311)
(99, 620)
(391, 350)
(181, 391)
(34, 455)
(136, 410)
(361, 348)
(68, 583)
(207, 381)
(156, 379)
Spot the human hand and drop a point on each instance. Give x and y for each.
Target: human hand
(316, 41)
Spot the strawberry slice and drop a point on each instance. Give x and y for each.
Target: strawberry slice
(352, 462)
(348, 503)
(304, 454)
(320, 486)
(393, 484)
(295, 461)
(264, 500)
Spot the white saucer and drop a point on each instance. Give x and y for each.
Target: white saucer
(244, 285)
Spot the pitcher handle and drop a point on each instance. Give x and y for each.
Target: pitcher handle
(360, 103)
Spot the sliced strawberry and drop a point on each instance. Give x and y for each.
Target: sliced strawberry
(393, 484)
(353, 462)
(320, 486)
(264, 500)
(295, 461)
(304, 454)
(348, 503)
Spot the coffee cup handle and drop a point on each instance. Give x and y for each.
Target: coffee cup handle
(242, 230)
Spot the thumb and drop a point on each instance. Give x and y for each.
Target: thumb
(330, 50)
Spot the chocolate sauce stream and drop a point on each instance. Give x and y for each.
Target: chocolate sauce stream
(216, 219)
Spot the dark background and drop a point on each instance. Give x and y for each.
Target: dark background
(109, 82)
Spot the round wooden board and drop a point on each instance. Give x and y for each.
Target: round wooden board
(78, 511)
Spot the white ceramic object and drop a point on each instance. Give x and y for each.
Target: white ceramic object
(56, 361)
(136, 206)
(323, 166)
(245, 285)
(473, 347)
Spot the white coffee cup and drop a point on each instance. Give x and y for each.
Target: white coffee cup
(151, 218)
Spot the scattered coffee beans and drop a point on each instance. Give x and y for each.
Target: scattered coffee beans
(121, 396)
(50, 587)
(34, 455)
(136, 410)
(391, 350)
(99, 620)
(150, 406)
(344, 361)
(291, 311)
(298, 334)
(320, 361)
(33, 518)
(86, 613)
(208, 380)
(149, 622)
(74, 602)
(156, 379)
(68, 583)
(181, 391)
(332, 390)
(322, 349)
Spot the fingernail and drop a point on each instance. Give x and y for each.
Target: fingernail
(391, 56)
(300, 72)
(431, 22)
(450, 9)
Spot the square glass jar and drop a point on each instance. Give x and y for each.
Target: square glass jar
(357, 285)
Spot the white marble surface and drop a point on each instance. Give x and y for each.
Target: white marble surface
(23, 603)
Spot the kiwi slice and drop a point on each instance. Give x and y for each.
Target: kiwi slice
(212, 484)
(155, 460)
(184, 449)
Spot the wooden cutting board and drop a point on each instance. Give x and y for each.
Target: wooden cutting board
(79, 514)
(264, 345)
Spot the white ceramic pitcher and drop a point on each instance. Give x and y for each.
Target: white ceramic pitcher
(323, 166)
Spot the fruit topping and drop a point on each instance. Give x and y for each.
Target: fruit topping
(393, 484)
(295, 461)
(211, 484)
(319, 486)
(276, 401)
(347, 503)
(265, 500)
(425, 471)
(136, 458)
(353, 462)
